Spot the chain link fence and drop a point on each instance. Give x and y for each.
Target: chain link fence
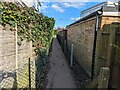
(23, 77)
(29, 75)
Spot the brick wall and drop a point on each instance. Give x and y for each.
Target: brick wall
(23, 53)
(82, 36)
(62, 37)
(7, 56)
(7, 41)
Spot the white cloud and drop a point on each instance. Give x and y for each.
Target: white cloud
(66, 4)
(73, 4)
(57, 8)
(60, 5)
(75, 19)
(44, 6)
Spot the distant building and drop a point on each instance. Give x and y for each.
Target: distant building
(59, 29)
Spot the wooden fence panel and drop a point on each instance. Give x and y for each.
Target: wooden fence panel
(109, 52)
(104, 39)
(115, 63)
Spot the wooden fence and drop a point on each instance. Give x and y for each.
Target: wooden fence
(108, 52)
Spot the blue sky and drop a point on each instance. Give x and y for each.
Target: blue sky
(65, 13)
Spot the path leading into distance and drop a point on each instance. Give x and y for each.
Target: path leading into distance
(59, 75)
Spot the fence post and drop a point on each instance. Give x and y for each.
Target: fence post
(103, 78)
(29, 74)
(71, 59)
(111, 42)
(30, 46)
(16, 55)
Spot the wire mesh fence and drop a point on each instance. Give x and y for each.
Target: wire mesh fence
(30, 72)
(23, 77)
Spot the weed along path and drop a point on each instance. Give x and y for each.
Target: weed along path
(59, 75)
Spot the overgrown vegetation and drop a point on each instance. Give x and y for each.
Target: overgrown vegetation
(32, 25)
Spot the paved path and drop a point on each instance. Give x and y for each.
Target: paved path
(59, 75)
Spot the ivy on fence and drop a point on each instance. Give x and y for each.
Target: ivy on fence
(32, 25)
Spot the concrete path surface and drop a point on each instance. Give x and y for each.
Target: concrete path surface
(59, 75)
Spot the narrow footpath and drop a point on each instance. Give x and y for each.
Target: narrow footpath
(59, 75)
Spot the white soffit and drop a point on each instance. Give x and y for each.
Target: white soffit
(111, 13)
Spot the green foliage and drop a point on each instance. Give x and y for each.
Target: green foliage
(33, 26)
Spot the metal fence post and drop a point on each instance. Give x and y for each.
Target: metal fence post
(29, 71)
(71, 59)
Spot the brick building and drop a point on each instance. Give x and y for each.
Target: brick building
(82, 33)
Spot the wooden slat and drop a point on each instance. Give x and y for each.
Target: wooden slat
(105, 33)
